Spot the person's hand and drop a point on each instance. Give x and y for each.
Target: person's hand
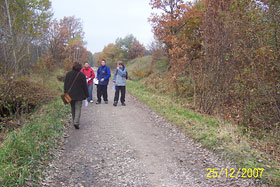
(102, 80)
(118, 67)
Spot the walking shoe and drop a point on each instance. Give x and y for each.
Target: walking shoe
(91, 101)
(98, 102)
(115, 103)
(76, 126)
(106, 102)
(123, 104)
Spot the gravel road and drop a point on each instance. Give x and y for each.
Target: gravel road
(132, 146)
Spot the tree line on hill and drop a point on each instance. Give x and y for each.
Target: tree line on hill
(124, 49)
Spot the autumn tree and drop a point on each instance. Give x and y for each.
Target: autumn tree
(129, 47)
(157, 50)
(124, 49)
(179, 29)
(23, 24)
(136, 50)
(225, 55)
(111, 53)
(166, 24)
(75, 51)
(61, 34)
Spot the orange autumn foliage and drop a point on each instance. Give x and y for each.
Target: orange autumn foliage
(226, 54)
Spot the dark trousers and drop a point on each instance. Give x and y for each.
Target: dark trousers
(117, 93)
(102, 91)
(76, 107)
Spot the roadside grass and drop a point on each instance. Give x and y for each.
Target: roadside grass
(141, 63)
(25, 150)
(49, 79)
(225, 138)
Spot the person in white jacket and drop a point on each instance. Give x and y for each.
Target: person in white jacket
(119, 81)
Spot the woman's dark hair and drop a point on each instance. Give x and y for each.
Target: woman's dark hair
(77, 66)
(121, 63)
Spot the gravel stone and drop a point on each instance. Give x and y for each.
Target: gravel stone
(132, 146)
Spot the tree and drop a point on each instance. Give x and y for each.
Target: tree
(225, 55)
(11, 33)
(136, 50)
(124, 45)
(167, 24)
(95, 57)
(126, 42)
(23, 23)
(66, 42)
(75, 51)
(110, 54)
(70, 28)
(156, 49)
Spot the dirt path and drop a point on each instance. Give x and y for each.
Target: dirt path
(132, 146)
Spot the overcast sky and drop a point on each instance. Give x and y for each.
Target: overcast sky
(106, 20)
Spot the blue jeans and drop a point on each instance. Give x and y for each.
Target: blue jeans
(90, 88)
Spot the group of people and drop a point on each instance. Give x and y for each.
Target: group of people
(80, 81)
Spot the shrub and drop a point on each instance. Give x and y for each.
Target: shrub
(19, 96)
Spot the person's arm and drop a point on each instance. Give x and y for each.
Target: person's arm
(122, 72)
(83, 71)
(92, 74)
(98, 73)
(115, 75)
(108, 74)
(66, 81)
(85, 85)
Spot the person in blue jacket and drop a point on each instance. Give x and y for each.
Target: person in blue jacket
(119, 81)
(103, 76)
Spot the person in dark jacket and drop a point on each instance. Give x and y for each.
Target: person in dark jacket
(78, 92)
(119, 81)
(103, 76)
(89, 73)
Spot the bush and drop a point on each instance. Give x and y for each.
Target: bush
(61, 78)
(19, 96)
(139, 74)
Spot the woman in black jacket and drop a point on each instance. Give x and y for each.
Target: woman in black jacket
(78, 92)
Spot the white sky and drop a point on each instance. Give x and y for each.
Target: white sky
(106, 20)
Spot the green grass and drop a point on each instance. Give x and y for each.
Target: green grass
(49, 79)
(215, 134)
(25, 150)
(144, 63)
(141, 63)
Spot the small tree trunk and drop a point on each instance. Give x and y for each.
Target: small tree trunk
(12, 35)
